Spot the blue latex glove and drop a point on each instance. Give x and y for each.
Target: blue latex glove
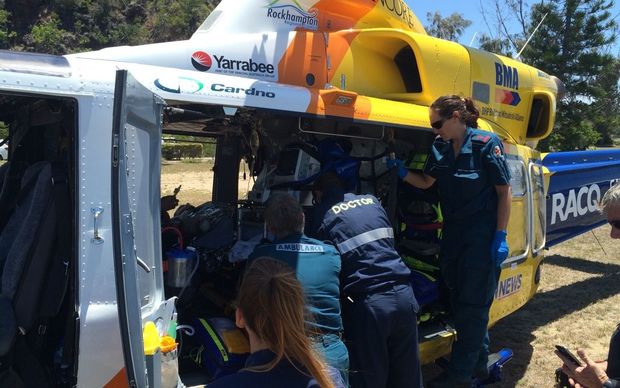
(499, 247)
(402, 170)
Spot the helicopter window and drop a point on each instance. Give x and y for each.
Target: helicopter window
(517, 180)
(408, 68)
(520, 214)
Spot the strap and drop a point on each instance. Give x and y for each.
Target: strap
(365, 238)
(59, 273)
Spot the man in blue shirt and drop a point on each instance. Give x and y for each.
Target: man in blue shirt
(317, 266)
(379, 311)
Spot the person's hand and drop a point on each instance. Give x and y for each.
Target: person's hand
(592, 375)
(169, 202)
(499, 247)
(397, 163)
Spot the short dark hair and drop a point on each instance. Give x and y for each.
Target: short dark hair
(283, 215)
(328, 180)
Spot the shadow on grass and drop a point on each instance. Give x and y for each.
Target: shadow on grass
(515, 331)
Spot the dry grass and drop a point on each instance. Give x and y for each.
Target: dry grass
(196, 178)
(577, 304)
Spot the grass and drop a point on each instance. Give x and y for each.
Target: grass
(576, 305)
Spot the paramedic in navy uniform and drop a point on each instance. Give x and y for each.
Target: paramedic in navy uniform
(379, 308)
(474, 188)
(317, 266)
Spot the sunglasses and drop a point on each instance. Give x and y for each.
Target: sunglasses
(615, 223)
(438, 124)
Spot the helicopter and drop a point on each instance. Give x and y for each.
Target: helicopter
(267, 82)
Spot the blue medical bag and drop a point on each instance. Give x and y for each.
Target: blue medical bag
(425, 287)
(223, 346)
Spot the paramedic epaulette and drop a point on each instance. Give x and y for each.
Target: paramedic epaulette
(481, 138)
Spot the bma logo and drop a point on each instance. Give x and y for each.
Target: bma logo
(506, 76)
(201, 61)
(575, 203)
(509, 286)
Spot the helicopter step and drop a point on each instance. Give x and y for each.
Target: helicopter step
(494, 365)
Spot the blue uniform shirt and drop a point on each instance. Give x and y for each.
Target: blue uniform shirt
(467, 182)
(317, 266)
(283, 375)
(360, 229)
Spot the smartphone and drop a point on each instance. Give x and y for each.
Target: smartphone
(568, 354)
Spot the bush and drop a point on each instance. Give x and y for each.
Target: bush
(181, 150)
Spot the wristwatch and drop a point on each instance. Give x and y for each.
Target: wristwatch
(610, 384)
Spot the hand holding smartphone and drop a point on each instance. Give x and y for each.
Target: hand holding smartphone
(568, 354)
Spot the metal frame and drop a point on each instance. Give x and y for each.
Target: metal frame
(340, 135)
(522, 257)
(543, 203)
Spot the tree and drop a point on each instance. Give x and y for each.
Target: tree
(449, 28)
(6, 33)
(66, 26)
(176, 20)
(606, 108)
(507, 22)
(47, 36)
(500, 46)
(571, 44)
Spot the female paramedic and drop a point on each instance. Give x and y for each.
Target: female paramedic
(474, 189)
(271, 308)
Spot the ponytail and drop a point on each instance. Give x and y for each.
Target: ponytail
(446, 105)
(472, 113)
(272, 302)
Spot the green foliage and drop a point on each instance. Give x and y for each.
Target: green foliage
(171, 20)
(172, 151)
(572, 41)
(47, 36)
(6, 35)
(449, 28)
(606, 107)
(574, 131)
(66, 26)
(4, 130)
(572, 44)
(500, 46)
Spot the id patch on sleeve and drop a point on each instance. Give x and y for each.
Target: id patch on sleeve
(498, 152)
(303, 248)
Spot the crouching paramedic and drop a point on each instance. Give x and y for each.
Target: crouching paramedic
(317, 266)
(379, 308)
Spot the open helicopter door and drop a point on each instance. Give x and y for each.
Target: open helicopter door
(136, 147)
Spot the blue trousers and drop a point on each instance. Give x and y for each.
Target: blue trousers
(382, 336)
(471, 276)
(335, 353)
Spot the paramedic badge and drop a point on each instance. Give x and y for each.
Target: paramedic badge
(498, 152)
